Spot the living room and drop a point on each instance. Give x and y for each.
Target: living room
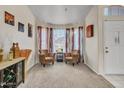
(52, 48)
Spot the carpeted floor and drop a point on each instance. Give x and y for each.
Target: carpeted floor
(63, 75)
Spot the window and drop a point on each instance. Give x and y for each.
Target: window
(76, 41)
(59, 39)
(114, 11)
(44, 39)
(106, 11)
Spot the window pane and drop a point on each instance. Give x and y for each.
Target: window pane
(44, 36)
(106, 11)
(59, 39)
(114, 11)
(76, 42)
(121, 11)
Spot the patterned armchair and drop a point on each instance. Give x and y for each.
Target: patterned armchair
(72, 57)
(46, 58)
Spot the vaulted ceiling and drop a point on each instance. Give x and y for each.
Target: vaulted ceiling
(61, 14)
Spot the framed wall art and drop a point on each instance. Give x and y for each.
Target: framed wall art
(20, 27)
(9, 19)
(90, 31)
(29, 30)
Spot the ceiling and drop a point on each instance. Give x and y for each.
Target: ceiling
(61, 14)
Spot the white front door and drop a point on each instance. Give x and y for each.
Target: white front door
(121, 51)
(114, 47)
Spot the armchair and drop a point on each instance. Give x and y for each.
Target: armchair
(72, 57)
(46, 58)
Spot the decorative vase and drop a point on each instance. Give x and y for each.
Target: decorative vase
(10, 56)
(1, 57)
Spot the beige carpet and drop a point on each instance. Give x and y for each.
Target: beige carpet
(63, 75)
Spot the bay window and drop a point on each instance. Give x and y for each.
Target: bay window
(44, 38)
(59, 39)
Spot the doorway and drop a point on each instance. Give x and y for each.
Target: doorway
(114, 47)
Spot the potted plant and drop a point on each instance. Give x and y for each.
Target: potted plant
(1, 54)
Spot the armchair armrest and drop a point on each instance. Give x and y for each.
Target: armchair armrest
(41, 58)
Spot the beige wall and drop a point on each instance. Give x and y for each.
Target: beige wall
(91, 44)
(10, 34)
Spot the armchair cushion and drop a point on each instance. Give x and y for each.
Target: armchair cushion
(68, 58)
(48, 58)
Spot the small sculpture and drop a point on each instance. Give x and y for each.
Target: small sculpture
(16, 50)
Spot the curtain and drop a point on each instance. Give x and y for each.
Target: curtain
(79, 43)
(47, 38)
(80, 29)
(79, 39)
(38, 43)
(72, 39)
(51, 40)
(39, 38)
(67, 43)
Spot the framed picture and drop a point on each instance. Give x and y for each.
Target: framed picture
(20, 27)
(29, 30)
(90, 31)
(9, 19)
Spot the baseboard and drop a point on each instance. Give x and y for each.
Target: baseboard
(31, 68)
(91, 68)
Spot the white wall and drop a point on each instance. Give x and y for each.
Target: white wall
(10, 34)
(91, 44)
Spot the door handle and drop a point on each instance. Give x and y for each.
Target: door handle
(106, 51)
(106, 47)
(118, 38)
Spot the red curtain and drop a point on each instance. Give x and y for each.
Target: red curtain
(79, 33)
(72, 39)
(79, 39)
(51, 40)
(66, 40)
(47, 38)
(39, 37)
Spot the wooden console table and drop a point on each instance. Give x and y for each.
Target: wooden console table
(12, 73)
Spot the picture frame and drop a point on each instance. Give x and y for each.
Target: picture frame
(90, 31)
(9, 19)
(20, 27)
(30, 34)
